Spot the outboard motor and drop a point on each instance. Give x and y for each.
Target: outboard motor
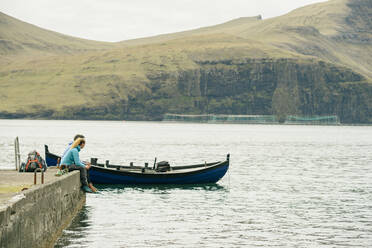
(162, 166)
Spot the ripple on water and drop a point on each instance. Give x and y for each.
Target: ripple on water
(290, 186)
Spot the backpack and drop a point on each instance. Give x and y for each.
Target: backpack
(34, 161)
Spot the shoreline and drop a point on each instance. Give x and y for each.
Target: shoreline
(190, 122)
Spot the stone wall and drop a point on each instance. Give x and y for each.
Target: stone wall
(36, 217)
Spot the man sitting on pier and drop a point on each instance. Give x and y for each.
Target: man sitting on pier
(72, 160)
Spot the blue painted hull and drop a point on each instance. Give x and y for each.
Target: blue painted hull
(50, 158)
(211, 174)
(197, 174)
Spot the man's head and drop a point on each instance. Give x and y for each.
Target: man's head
(78, 136)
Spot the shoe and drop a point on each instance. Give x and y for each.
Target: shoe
(86, 189)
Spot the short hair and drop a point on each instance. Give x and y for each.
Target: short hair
(82, 142)
(78, 136)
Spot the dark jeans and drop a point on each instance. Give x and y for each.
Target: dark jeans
(84, 174)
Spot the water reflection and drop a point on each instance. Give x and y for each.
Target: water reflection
(115, 188)
(77, 230)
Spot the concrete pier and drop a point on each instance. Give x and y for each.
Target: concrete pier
(36, 216)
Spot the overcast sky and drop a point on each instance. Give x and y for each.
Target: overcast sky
(116, 20)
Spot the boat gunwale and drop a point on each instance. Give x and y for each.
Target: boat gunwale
(183, 167)
(161, 174)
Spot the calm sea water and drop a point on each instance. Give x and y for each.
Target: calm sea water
(288, 186)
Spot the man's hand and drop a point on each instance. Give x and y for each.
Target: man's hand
(87, 165)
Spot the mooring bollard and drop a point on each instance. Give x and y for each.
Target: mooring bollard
(42, 175)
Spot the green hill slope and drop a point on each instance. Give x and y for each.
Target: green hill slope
(313, 61)
(20, 38)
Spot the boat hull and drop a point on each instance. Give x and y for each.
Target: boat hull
(197, 174)
(50, 158)
(211, 174)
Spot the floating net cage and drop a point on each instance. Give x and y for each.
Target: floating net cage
(253, 119)
(317, 120)
(210, 118)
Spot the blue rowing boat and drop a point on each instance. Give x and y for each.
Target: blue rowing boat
(50, 158)
(159, 173)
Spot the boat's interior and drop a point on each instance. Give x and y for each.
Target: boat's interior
(151, 168)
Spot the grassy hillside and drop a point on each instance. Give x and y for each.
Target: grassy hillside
(20, 38)
(326, 45)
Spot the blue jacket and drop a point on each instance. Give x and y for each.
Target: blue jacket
(66, 150)
(72, 157)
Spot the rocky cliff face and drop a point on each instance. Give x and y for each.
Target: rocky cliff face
(280, 87)
(263, 86)
(253, 86)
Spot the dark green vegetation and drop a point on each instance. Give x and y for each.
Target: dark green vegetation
(315, 60)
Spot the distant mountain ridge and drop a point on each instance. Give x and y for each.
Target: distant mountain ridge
(312, 61)
(20, 37)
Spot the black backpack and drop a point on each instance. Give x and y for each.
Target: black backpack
(34, 161)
